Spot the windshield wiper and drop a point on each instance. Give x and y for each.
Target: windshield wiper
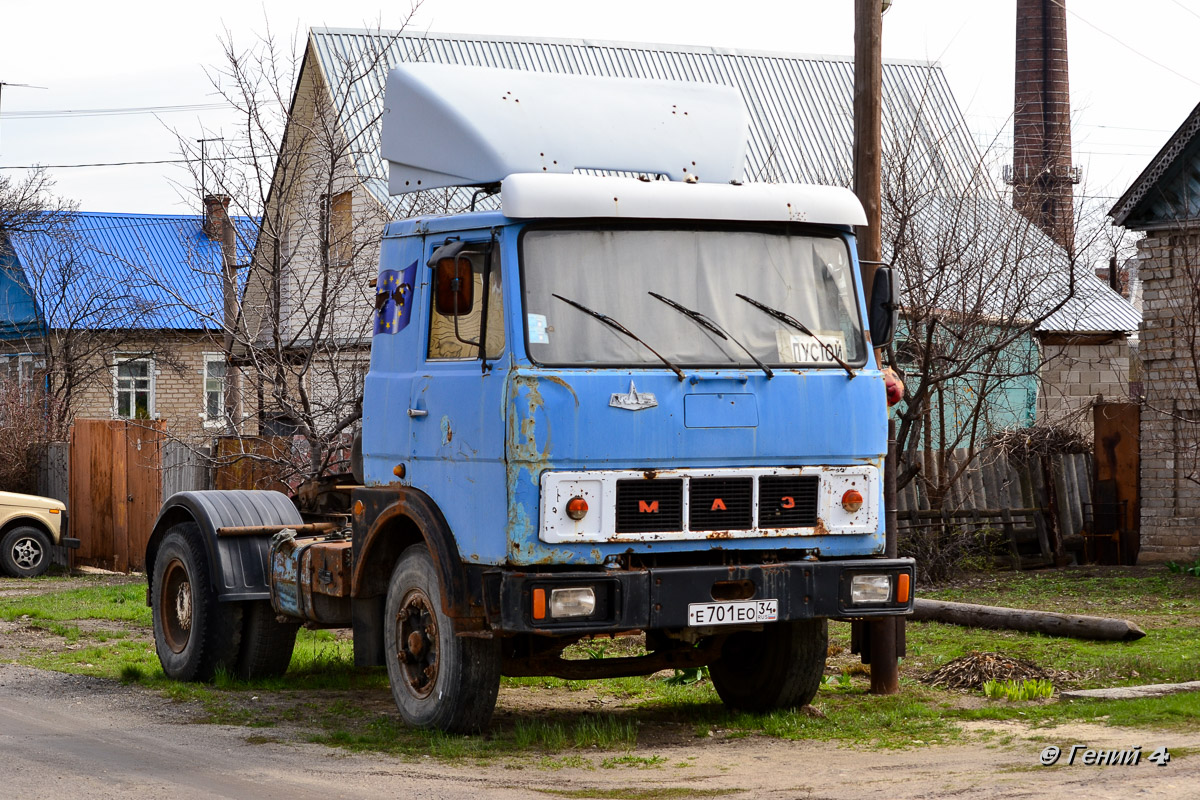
(788, 319)
(704, 321)
(616, 326)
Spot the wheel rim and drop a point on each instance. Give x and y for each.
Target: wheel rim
(417, 643)
(175, 606)
(27, 552)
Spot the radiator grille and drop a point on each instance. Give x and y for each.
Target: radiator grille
(644, 506)
(788, 501)
(721, 504)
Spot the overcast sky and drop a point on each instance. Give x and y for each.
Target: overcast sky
(1133, 72)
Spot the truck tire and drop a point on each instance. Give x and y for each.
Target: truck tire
(779, 667)
(439, 680)
(194, 634)
(25, 552)
(267, 643)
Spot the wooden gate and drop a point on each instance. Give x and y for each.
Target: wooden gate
(1115, 537)
(116, 490)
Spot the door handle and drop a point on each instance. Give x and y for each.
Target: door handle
(418, 412)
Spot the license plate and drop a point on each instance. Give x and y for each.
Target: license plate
(739, 612)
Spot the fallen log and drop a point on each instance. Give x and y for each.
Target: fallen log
(1074, 626)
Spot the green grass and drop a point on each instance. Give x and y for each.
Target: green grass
(106, 630)
(122, 603)
(1018, 690)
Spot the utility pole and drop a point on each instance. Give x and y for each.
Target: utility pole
(880, 646)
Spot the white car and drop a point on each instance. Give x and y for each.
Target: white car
(29, 525)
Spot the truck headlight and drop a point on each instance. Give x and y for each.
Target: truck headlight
(870, 589)
(574, 602)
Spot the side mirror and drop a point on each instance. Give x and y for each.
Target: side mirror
(882, 311)
(455, 282)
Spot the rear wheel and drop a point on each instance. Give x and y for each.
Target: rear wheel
(439, 680)
(25, 552)
(267, 643)
(194, 634)
(778, 667)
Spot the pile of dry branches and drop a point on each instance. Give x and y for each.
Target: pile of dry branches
(1021, 444)
(973, 669)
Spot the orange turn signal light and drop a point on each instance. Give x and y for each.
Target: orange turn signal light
(852, 500)
(902, 581)
(577, 508)
(539, 603)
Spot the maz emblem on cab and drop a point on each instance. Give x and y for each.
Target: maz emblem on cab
(633, 400)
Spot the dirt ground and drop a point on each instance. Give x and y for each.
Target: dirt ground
(71, 736)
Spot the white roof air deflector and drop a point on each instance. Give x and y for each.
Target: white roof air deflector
(449, 125)
(578, 196)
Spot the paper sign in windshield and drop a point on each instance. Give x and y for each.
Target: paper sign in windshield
(800, 348)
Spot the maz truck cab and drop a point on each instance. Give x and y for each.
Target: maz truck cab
(637, 397)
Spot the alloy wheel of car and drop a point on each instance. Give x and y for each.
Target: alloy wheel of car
(27, 552)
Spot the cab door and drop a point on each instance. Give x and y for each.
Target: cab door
(456, 404)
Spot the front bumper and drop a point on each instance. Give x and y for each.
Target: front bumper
(63, 539)
(658, 598)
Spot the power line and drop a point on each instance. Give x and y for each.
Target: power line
(1128, 47)
(127, 163)
(114, 112)
(1185, 8)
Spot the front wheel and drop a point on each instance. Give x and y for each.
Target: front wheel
(776, 668)
(25, 552)
(194, 634)
(439, 680)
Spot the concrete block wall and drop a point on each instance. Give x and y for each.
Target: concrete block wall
(1170, 430)
(1076, 374)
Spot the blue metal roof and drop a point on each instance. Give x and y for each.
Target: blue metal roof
(110, 271)
(801, 110)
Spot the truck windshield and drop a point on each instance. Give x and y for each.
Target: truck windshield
(617, 272)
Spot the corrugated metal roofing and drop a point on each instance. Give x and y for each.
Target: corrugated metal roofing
(143, 271)
(800, 109)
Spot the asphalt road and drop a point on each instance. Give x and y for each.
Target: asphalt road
(66, 736)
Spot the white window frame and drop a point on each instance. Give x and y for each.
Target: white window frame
(219, 420)
(122, 358)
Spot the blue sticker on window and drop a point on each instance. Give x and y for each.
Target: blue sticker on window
(393, 299)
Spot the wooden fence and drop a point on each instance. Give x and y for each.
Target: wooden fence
(125, 471)
(1041, 505)
(53, 481)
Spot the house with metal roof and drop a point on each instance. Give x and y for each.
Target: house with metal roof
(800, 111)
(1164, 203)
(119, 315)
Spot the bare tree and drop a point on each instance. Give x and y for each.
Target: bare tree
(295, 322)
(978, 283)
(82, 304)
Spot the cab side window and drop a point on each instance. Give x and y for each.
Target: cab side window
(459, 300)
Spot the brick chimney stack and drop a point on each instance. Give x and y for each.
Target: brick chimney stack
(216, 215)
(1042, 175)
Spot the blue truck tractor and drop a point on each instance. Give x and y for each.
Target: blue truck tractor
(634, 396)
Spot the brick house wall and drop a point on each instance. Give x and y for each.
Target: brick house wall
(178, 359)
(1170, 428)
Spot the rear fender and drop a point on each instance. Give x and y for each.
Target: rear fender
(239, 566)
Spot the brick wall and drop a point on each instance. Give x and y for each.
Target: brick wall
(1170, 431)
(1078, 373)
(178, 359)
